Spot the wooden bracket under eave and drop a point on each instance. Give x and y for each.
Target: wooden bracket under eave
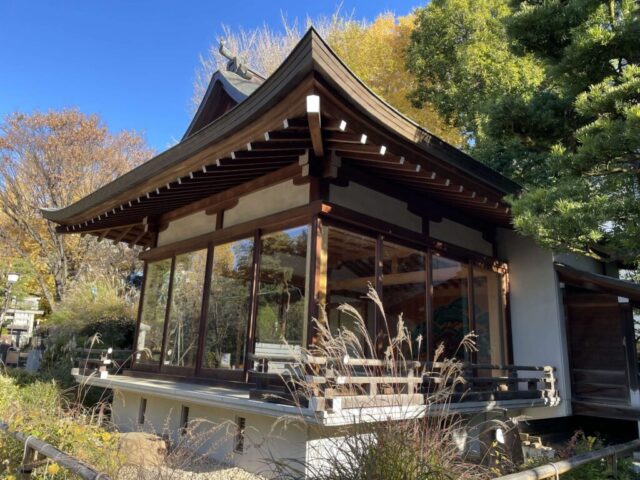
(304, 162)
(331, 165)
(221, 206)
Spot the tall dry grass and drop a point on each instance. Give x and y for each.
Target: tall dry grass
(398, 440)
(390, 436)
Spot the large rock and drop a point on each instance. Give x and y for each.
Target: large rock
(142, 449)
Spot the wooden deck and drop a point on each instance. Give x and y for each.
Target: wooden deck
(344, 391)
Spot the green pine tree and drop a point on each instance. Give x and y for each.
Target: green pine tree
(569, 131)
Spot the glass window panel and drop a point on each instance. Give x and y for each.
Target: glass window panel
(488, 311)
(282, 291)
(351, 265)
(450, 304)
(186, 306)
(154, 307)
(229, 303)
(404, 291)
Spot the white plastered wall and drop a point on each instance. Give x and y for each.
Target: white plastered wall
(460, 235)
(267, 201)
(375, 204)
(187, 227)
(214, 430)
(581, 262)
(260, 203)
(537, 319)
(267, 438)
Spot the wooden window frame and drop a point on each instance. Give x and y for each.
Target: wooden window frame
(296, 217)
(430, 247)
(316, 215)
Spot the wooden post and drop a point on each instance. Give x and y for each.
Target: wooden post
(28, 460)
(612, 465)
(34, 445)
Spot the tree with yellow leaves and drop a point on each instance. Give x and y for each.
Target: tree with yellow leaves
(52, 160)
(376, 52)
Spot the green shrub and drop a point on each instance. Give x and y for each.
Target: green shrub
(99, 301)
(579, 444)
(38, 408)
(113, 332)
(596, 470)
(105, 307)
(57, 359)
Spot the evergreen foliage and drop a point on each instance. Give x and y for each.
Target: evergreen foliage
(548, 92)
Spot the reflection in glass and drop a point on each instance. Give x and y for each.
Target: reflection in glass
(488, 311)
(229, 303)
(186, 306)
(404, 291)
(450, 304)
(282, 291)
(351, 264)
(154, 307)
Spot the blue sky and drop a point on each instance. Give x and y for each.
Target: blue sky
(131, 61)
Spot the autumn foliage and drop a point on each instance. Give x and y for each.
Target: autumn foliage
(52, 160)
(376, 52)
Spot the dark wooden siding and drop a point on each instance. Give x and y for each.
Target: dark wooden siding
(596, 347)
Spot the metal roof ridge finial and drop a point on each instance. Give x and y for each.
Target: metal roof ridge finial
(235, 64)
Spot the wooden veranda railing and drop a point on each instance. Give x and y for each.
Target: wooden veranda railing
(34, 447)
(555, 469)
(95, 361)
(335, 384)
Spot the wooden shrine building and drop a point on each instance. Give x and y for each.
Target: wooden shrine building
(302, 189)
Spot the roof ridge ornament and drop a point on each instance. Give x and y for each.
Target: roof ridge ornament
(235, 64)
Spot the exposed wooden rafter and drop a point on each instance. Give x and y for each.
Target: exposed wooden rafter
(315, 124)
(272, 128)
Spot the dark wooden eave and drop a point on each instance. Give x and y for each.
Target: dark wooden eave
(272, 129)
(598, 283)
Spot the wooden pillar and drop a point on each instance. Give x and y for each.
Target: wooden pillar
(167, 312)
(429, 307)
(253, 308)
(470, 356)
(139, 316)
(317, 272)
(204, 312)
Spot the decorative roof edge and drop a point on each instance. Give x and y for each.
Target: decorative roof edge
(311, 54)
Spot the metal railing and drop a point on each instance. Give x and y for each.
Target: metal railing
(34, 446)
(555, 469)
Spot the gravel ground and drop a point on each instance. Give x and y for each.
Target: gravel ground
(206, 472)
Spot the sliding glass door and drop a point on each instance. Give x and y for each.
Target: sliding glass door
(282, 294)
(440, 299)
(185, 310)
(404, 294)
(229, 306)
(191, 320)
(153, 313)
